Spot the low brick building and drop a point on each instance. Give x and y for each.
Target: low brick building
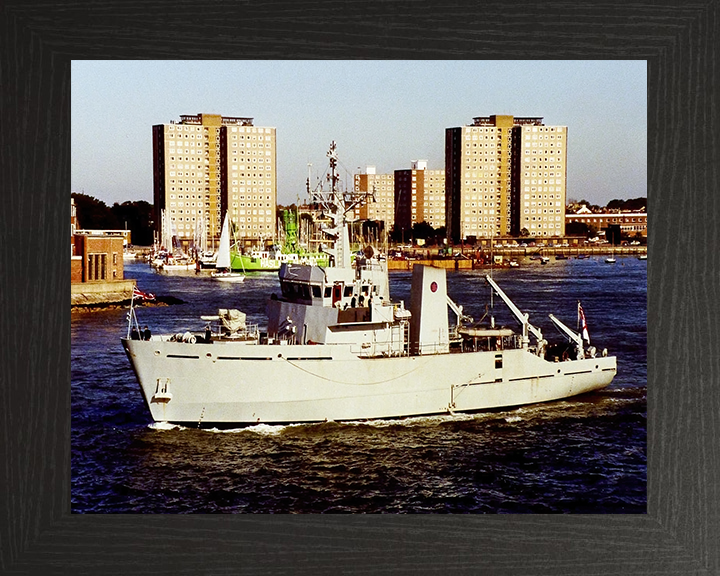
(96, 273)
(99, 256)
(630, 223)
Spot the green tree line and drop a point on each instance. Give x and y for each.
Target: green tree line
(629, 205)
(94, 214)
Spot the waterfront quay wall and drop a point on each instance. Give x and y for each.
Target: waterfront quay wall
(449, 263)
(100, 293)
(468, 259)
(569, 251)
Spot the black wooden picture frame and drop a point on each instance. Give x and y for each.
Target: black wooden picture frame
(678, 535)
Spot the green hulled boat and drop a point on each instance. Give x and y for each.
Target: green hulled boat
(289, 252)
(270, 261)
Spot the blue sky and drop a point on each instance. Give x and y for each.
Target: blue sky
(385, 113)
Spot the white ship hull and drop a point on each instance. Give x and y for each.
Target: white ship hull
(238, 383)
(338, 348)
(228, 277)
(176, 267)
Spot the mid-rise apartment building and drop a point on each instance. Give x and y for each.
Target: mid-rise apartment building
(382, 188)
(505, 175)
(539, 178)
(419, 196)
(207, 165)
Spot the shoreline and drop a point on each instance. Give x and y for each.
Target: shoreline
(125, 304)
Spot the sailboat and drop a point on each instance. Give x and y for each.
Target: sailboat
(223, 271)
(170, 257)
(611, 259)
(205, 257)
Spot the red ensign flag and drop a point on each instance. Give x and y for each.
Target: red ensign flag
(583, 324)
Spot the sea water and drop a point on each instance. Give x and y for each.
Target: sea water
(581, 455)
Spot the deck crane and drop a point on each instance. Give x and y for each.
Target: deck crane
(523, 319)
(574, 336)
(458, 310)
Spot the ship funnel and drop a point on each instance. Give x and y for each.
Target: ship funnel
(428, 305)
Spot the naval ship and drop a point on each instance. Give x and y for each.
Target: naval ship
(338, 348)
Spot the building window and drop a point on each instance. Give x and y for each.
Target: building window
(96, 266)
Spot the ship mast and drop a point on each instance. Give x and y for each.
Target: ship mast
(336, 205)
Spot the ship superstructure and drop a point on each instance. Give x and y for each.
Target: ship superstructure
(338, 348)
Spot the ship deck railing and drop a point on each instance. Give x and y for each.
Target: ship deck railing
(373, 265)
(482, 343)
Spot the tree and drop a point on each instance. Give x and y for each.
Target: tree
(423, 230)
(580, 229)
(577, 229)
(279, 209)
(397, 234)
(93, 214)
(634, 204)
(138, 218)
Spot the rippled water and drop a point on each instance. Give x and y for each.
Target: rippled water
(583, 455)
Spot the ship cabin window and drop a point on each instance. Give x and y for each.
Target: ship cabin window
(316, 291)
(348, 291)
(296, 291)
(328, 291)
(498, 360)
